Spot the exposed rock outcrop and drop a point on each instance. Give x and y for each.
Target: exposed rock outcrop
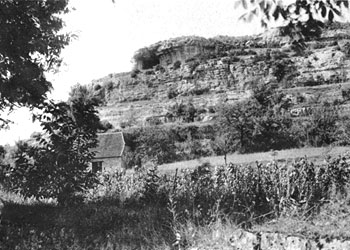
(208, 72)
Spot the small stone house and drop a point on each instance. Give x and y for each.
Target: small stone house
(109, 152)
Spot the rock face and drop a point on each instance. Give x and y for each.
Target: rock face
(179, 49)
(205, 73)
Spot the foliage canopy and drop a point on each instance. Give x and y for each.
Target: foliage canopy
(302, 19)
(30, 45)
(57, 164)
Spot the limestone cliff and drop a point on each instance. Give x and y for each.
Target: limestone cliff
(204, 73)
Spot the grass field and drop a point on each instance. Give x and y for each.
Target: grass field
(288, 155)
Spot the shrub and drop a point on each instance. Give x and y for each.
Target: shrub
(345, 94)
(346, 49)
(193, 65)
(155, 144)
(134, 73)
(97, 87)
(154, 121)
(149, 72)
(235, 59)
(172, 93)
(199, 91)
(87, 94)
(109, 85)
(190, 60)
(158, 67)
(152, 144)
(105, 125)
(176, 65)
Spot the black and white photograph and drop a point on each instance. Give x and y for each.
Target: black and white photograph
(174, 125)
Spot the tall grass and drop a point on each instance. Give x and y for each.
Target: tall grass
(145, 209)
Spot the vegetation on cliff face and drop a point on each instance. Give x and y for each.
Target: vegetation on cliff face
(228, 75)
(309, 92)
(238, 99)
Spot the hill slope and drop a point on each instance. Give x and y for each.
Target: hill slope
(204, 73)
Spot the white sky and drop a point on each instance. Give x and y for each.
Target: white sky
(109, 34)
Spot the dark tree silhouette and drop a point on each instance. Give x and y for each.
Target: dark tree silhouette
(302, 19)
(30, 45)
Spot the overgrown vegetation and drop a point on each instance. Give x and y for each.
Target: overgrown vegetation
(149, 210)
(56, 165)
(260, 123)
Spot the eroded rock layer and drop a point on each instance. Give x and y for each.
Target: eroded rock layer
(204, 73)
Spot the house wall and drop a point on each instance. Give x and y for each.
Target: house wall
(110, 165)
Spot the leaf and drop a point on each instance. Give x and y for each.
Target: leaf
(284, 14)
(276, 13)
(336, 11)
(346, 4)
(323, 11)
(266, 11)
(243, 17)
(250, 17)
(262, 5)
(255, 11)
(330, 16)
(244, 3)
(321, 5)
(237, 4)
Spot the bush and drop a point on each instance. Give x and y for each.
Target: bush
(149, 72)
(154, 144)
(346, 49)
(172, 93)
(134, 73)
(193, 65)
(109, 85)
(153, 121)
(158, 67)
(190, 60)
(105, 125)
(177, 65)
(97, 87)
(199, 91)
(86, 94)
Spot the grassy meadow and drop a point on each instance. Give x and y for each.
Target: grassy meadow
(196, 208)
(317, 154)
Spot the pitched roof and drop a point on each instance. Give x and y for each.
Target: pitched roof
(110, 145)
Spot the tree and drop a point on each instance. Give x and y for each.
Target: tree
(302, 19)
(30, 45)
(155, 144)
(272, 131)
(57, 165)
(86, 94)
(323, 126)
(221, 145)
(258, 123)
(237, 122)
